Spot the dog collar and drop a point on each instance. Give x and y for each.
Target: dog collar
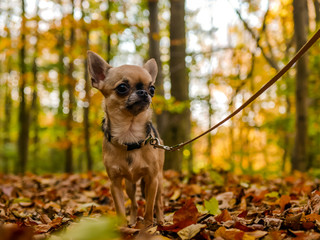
(140, 144)
(133, 145)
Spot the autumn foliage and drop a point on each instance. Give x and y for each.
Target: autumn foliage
(243, 207)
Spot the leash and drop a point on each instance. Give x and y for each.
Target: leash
(155, 141)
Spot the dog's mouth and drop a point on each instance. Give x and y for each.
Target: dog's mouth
(138, 106)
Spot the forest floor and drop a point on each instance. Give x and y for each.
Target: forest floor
(208, 205)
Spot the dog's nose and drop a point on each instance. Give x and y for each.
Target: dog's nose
(142, 93)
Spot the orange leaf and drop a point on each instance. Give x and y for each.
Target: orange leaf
(182, 218)
(223, 217)
(189, 212)
(230, 234)
(283, 201)
(42, 228)
(311, 217)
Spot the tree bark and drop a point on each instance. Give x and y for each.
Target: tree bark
(317, 11)
(177, 127)
(70, 88)
(154, 52)
(87, 99)
(23, 121)
(61, 71)
(108, 41)
(86, 112)
(300, 153)
(35, 102)
(7, 107)
(7, 122)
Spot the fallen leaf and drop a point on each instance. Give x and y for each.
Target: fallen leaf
(272, 223)
(223, 217)
(284, 201)
(293, 221)
(193, 189)
(229, 234)
(190, 231)
(45, 219)
(176, 194)
(272, 195)
(257, 234)
(212, 206)
(311, 217)
(226, 200)
(42, 228)
(243, 214)
(315, 202)
(182, 218)
(7, 190)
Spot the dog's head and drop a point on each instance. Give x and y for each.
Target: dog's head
(129, 88)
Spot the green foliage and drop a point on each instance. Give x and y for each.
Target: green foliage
(91, 229)
(273, 195)
(212, 206)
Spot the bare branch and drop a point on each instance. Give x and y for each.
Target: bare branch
(269, 57)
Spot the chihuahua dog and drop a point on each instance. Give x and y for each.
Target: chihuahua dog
(127, 152)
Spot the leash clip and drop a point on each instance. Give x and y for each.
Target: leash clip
(155, 142)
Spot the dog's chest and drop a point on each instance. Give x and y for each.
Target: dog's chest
(131, 166)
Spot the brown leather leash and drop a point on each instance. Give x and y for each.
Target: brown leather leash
(156, 143)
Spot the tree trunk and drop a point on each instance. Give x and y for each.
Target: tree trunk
(177, 127)
(23, 120)
(87, 100)
(35, 102)
(70, 88)
(108, 42)
(317, 11)
(86, 111)
(61, 71)
(300, 152)
(154, 52)
(7, 119)
(7, 107)
(209, 152)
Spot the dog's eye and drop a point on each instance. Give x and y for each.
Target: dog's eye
(122, 89)
(151, 90)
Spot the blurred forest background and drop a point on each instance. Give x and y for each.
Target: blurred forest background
(212, 56)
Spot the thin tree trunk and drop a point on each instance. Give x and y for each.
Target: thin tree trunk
(315, 106)
(287, 144)
(70, 88)
(7, 107)
(61, 71)
(154, 52)
(87, 101)
(86, 114)
(23, 121)
(210, 113)
(35, 102)
(300, 153)
(178, 128)
(7, 119)
(317, 11)
(108, 42)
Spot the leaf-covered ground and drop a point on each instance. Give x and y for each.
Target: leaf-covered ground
(208, 205)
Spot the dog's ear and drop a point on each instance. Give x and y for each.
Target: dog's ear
(152, 68)
(98, 69)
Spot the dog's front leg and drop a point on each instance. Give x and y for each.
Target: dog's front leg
(117, 195)
(131, 191)
(159, 202)
(151, 192)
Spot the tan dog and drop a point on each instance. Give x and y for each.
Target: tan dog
(127, 153)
